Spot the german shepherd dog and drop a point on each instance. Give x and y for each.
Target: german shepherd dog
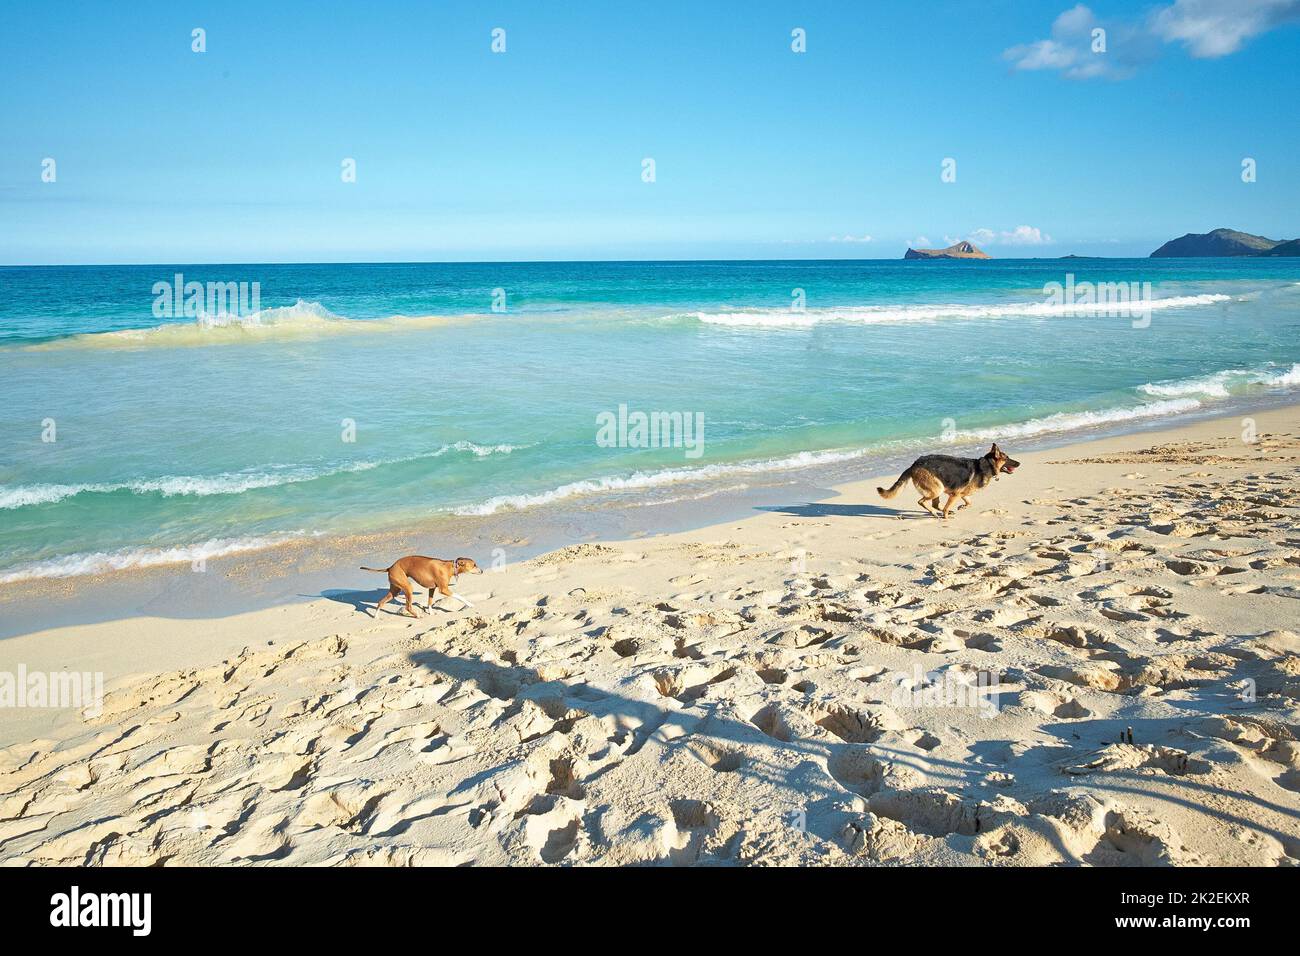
(959, 477)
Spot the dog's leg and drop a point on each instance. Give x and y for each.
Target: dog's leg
(966, 504)
(410, 611)
(925, 506)
(447, 592)
(392, 593)
(947, 506)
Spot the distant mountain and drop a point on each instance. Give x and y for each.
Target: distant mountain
(1291, 248)
(1220, 242)
(960, 250)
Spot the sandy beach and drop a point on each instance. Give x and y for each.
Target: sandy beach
(1095, 664)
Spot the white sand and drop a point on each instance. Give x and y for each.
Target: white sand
(737, 694)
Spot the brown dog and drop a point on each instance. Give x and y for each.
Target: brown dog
(959, 477)
(433, 573)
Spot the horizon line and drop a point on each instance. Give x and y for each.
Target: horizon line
(495, 262)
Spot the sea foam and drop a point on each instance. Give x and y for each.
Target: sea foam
(1225, 383)
(644, 480)
(101, 562)
(232, 483)
(302, 320)
(901, 314)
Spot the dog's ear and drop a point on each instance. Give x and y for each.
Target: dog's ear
(995, 451)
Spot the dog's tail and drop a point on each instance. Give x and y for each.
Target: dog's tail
(893, 489)
(380, 570)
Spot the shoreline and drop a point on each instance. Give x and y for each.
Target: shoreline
(677, 699)
(300, 569)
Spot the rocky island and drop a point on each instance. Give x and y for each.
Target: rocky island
(960, 250)
(1225, 242)
(1289, 248)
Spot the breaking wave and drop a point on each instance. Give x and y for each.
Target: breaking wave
(1224, 384)
(1058, 423)
(902, 314)
(656, 479)
(302, 320)
(102, 562)
(231, 483)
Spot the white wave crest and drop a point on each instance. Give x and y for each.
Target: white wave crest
(301, 312)
(655, 479)
(102, 562)
(1225, 383)
(479, 451)
(302, 320)
(1073, 421)
(231, 483)
(1287, 379)
(902, 314)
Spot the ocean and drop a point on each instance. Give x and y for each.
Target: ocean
(357, 398)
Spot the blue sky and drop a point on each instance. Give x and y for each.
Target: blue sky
(234, 154)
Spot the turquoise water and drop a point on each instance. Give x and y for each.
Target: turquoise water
(179, 437)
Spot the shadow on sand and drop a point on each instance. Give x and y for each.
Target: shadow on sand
(763, 748)
(365, 601)
(824, 510)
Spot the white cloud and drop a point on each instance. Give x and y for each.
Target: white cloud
(847, 238)
(1043, 55)
(1207, 28)
(1075, 21)
(1214, 28)
(1073, 48)
(1019, 236)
